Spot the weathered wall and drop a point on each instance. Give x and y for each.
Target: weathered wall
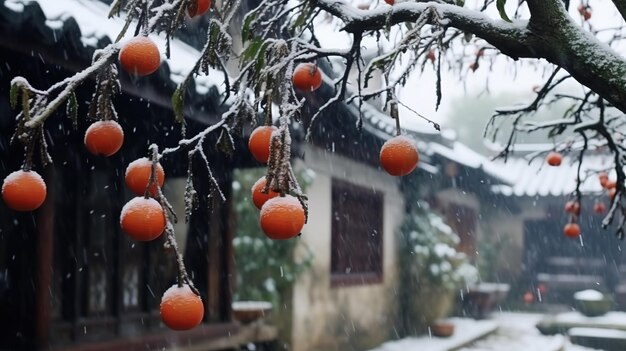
(499, 228)
(353, 317)
(504, 230)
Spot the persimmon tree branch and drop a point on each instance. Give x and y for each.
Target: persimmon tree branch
(513, 39)
(550, 34)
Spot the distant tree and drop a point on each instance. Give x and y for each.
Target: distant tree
(469, 115)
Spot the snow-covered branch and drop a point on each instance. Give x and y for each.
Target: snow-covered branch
(550, 34)
(510, 38)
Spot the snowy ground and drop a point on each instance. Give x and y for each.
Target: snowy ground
(506, 331)
(466, 331)
(517, 332)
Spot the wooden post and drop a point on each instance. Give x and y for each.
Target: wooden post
(45, 232)
(227, 252)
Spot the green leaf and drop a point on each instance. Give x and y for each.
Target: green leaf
(72, 109)
(260, 57)
(13, 95)
(178, 103)
(460, 3)
(500, 5)
(245, 30)
(251, 51)
(301, 20)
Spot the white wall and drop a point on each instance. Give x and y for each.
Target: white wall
(326, 317)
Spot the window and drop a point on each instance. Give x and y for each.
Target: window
(357, 235)
(462, 219)
(110, 289)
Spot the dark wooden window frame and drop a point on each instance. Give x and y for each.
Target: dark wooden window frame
(101, 331)
(369, 204)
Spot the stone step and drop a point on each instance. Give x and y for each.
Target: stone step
(599, 338)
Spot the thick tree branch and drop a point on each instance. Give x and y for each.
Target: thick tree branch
(510, 38)
(542, 10)
(551, 34)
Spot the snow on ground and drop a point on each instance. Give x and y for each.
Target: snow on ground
(466, 331)
(517, 332)
(506, 331)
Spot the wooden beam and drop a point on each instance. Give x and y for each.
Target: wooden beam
(227, 252)
(165, 338)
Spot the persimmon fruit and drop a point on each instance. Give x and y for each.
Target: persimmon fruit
(430, 55)
(554, 158)
(24, 190)
(138, 175)
(603, 177)
(307, 77)
(143, 219)
(599, 207)
(259, 198)
(259, 142)
(584, 11)
(104, 138)
(198, 8)
(572, 207)
(140, 56)
(571, 230)
(528, 297)
(282, 217)
(399, 156)
(181, 308)
(610, 184)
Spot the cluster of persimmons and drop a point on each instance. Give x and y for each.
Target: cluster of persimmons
(572, 229)
(143, 218)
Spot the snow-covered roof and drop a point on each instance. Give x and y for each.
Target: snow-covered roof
(462, 154)
(96, 28)
(536, 178)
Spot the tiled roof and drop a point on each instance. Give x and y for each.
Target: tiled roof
(73, 29)
(536, 178)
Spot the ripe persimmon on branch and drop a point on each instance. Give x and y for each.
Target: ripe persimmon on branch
(279, 69)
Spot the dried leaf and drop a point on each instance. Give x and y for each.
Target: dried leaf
(225, 143)
(438, 81)
(13, 95)
(178, 103)
(72, 109)
(25, 104)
